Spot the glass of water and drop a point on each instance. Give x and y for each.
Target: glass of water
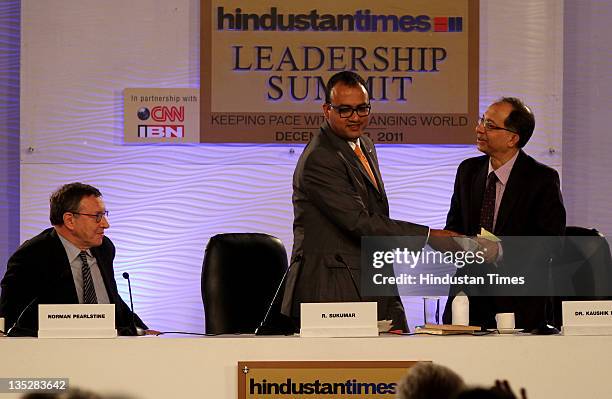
(431, 310)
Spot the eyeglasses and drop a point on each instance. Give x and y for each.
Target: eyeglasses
(346, 112)
(98, 215)
(489, 125)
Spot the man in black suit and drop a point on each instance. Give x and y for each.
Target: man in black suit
(509, 194)
(70, 263)
(339, 197)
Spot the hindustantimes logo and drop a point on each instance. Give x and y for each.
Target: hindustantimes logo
(317, 387)
(357, 21)
(166, 118)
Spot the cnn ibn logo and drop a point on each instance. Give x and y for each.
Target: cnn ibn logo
(162, 114)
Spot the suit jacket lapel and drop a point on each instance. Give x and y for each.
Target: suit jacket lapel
(344, 148)
(105, 273)
(62, 264)
(373, 161)
(512, 192)
(479, 180)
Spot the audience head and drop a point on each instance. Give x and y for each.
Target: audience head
(501, 390)
(68, 394)
(430, 381)
(479, 393)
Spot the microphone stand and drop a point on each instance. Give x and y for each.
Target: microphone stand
(16, 330)
(263, 329)
(137, 330)
(339, 258)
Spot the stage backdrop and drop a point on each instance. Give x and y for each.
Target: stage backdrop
(166, 201)
(419, 59)
(9, 128)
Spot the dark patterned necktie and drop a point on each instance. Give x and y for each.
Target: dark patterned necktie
(488, 203)
(89, 291)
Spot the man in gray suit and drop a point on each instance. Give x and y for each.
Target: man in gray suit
(338, 197)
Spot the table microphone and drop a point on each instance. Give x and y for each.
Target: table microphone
(137, 330)
(261, 329)
(16, 329)
(341, 260)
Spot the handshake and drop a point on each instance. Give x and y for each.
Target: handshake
(446, 240)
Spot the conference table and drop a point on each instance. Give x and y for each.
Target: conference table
(206, 367)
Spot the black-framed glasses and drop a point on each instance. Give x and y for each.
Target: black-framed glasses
(490, 125)
(346, 112)
(98, 215)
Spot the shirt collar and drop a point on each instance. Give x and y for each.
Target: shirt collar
(503, 172)
(71, 250)
(353, 144)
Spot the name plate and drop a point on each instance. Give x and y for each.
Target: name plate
(76, 321)
(339, 319)
(587, 317)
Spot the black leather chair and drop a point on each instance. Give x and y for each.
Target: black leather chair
(240, 275)
(584, 269)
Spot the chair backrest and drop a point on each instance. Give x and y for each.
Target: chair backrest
(592, 248)
(240, 275)
(584, 267)
(577, 231)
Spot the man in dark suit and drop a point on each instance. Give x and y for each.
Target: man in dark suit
(508, 193)
(339, 197)
(70, 263)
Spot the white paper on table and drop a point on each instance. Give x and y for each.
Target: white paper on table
(384, 325)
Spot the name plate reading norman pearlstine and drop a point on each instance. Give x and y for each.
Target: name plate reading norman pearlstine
(339, 319)
(587, 317)
(76, 321)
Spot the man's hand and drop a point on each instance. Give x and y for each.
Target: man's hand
(442, 240)
(443, 233)
(489, 248)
